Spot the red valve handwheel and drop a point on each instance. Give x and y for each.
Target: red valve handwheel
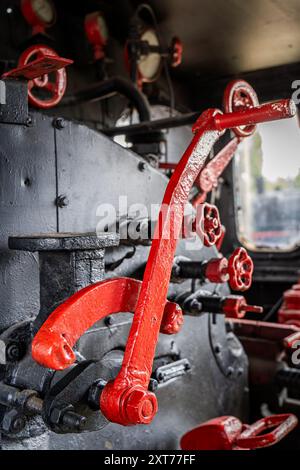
(209, 226)
(240, 270)
(239, 96)
(176, 52)
(55, 89)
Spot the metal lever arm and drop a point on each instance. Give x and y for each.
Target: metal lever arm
(52, 345)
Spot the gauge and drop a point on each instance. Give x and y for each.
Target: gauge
(39, 12)
(96, 29)
(149, 65)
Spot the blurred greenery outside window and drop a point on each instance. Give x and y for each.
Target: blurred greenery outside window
(267, 187)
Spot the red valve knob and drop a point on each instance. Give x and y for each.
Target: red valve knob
(240, 270)
(54, 89)
(238, 96)
(216, 270)
(141, 406)
(235, 306)
(209, 226)
(176, 52)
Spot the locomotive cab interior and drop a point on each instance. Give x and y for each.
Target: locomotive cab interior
(149, 225)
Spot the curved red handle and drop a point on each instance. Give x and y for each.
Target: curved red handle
(52, 345)
(228, 433)
(252, 437)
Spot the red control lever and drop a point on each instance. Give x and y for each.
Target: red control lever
(209, 176)
(126, 400)
(52, 345)
(228, 433)
(36, 64)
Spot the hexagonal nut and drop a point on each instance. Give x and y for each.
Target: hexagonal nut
(140, 406)
(13, 422)
(94, 393)
(58, 412)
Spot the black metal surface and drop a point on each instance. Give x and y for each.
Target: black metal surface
(40, 162)
(187, 269)
(67, 263)
(64, 242)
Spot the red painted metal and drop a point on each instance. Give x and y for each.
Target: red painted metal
(52, 345)
(228, 433)
(240, 270)
(267, 112)
(240, 95)
(36, 64)
(209, 176)
(126, 400)
(216, 270)
(273, 332)
(289, 312)
(235, 306)
(176, 52)
(95, 35)
(221, 239)
(291, 340)
(208, 224)
(38, 67)
(167, 166)
(38, 25)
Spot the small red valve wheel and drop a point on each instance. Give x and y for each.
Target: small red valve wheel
(240, 270)
(54, 90)
(176, 52)
(240, 96)
(209, 226)
(235, 306)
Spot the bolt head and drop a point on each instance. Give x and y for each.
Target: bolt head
(59, 123)
(142, 166)
(62, 201)
(13, 422)
(140, 406)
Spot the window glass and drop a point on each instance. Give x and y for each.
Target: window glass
(267, 187)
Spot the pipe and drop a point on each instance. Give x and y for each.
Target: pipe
(110, 87)
(273, 111)
(157, 124)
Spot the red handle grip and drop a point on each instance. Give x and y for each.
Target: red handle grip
(251, 437)
(266, 112)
